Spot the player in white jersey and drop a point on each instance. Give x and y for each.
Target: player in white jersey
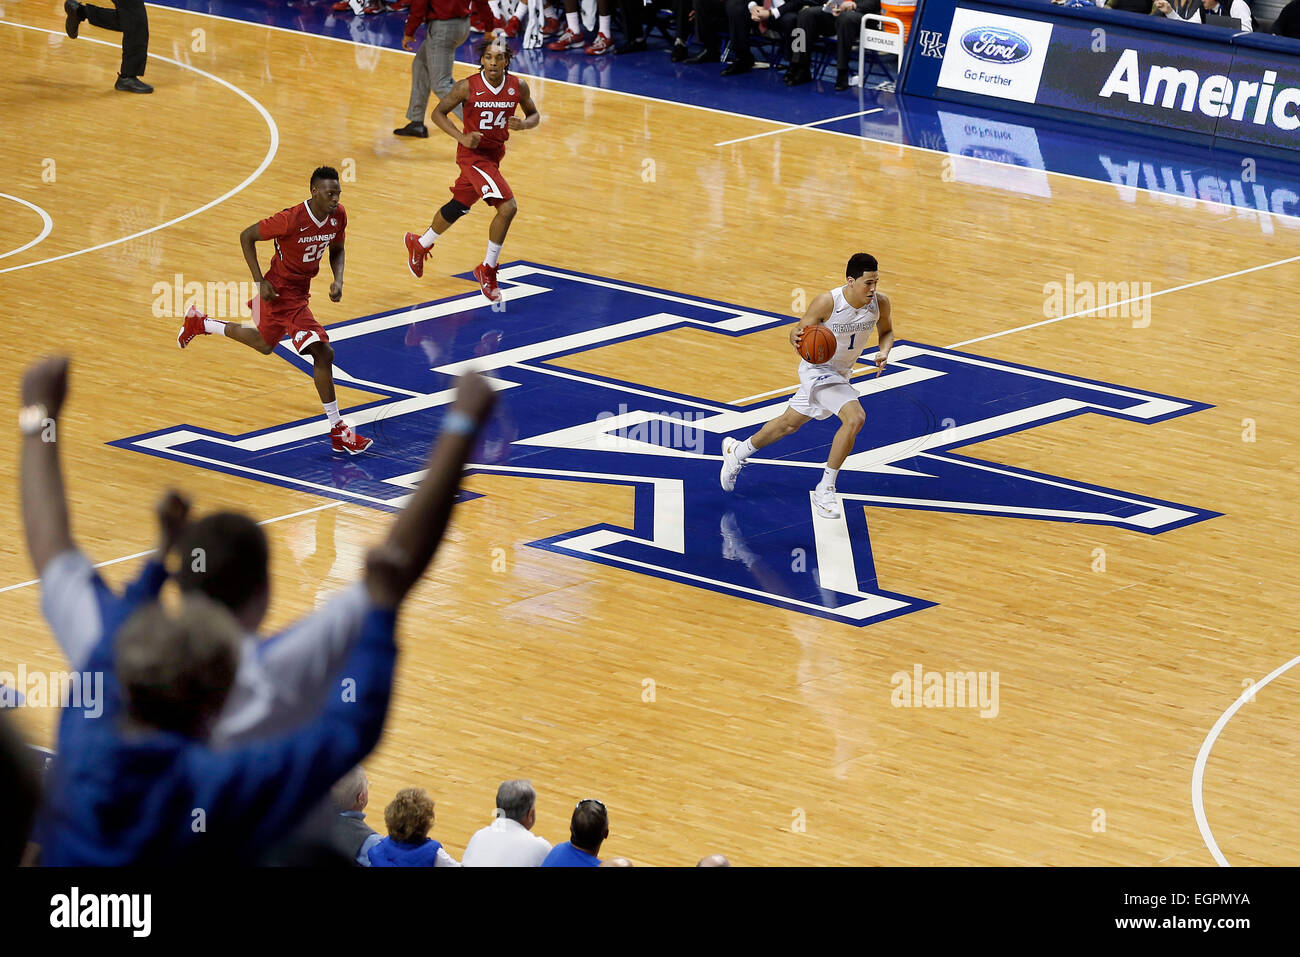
(850, 312)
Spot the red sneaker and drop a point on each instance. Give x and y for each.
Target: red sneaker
(551, 27)
(513, 26)
(487, 280)
(346, 441)
(192, 329)
(568, 41)
(416, 255)
(400, 5)
(600, 46)
(341, 7)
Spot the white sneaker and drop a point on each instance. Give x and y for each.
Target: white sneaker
(824, 500)
(731, 464)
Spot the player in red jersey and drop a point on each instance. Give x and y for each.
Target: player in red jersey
(489, 99)
(302, 235)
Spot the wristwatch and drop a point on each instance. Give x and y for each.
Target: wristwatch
(31, 419)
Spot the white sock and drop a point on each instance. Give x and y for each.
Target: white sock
(495, 7)
(605, 28)
(214, 327)
(828, 478)
(520, 10)
(493, 254)
(332, 411)
(429, 238)
(574, 25)
(746, 449)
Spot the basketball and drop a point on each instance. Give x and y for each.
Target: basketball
(817, 345)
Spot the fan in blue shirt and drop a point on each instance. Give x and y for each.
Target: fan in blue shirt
(588, 829)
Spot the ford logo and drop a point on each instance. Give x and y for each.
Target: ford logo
(995, 45)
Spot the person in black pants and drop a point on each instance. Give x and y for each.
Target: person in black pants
(779, 15)
(634, 18)
(842, 20)
(127, 18)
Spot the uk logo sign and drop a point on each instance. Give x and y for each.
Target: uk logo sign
(763, 542)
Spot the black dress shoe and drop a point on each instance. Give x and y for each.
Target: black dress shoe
(841, 80)
(680, 52)
(797, 77)
(413, 129)
(76, 13)
(632, 46)
(132, 84)
(738, 66)
(707, 55)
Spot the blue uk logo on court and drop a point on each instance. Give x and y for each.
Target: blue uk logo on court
(763, 542)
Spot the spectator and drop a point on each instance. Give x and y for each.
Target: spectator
(1287, 23)
(1144, 7)
(740, 16)
(142, 785)
(245, 796)
(634, 19)
(21, 789)
(350, 834)
(572, 37)
(714, 860)
(1189, 11)
(508, 841)
(588, 829)
(409, 817)
(841, 19)
(1237, 9)
(446, 26)
(282, 682)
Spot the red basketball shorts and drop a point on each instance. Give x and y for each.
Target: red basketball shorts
(480, 178)
(287, 315)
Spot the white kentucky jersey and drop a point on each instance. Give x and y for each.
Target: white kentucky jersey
(852, 329)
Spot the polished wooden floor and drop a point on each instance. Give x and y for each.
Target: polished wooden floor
(772, 737)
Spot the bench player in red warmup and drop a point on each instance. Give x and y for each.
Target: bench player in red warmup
(302, 235)
(489, 99)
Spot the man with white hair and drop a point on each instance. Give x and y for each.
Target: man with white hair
(508, 841)
(349, 832)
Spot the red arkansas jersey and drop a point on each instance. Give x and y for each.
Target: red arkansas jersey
(301, 240)
(488, 111)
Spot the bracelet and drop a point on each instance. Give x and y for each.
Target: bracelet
(457, 422)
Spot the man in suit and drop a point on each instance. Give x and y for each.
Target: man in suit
(841, 19)
(127, 18)
(740, 16)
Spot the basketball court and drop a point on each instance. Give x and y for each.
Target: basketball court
(1051, 627)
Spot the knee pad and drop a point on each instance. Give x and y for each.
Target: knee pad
(453, 211)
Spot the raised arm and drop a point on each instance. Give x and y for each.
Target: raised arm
(302, 662)
(44, 502)
(419, 528)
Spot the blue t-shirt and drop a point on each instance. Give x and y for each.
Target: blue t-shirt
(566, 855)
(117, 798)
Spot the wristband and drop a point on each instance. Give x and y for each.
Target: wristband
(32, 419)
(457, 422)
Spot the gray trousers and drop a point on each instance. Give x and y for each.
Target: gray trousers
(431, 68)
